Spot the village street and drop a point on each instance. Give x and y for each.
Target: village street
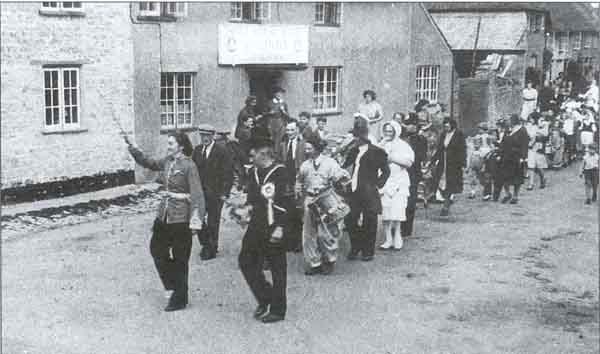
(492, 278)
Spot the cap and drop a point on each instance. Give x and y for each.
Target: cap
(205, 128)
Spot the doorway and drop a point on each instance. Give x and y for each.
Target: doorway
(262, 83)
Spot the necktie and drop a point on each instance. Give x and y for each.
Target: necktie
(290, 154)
(205, 153)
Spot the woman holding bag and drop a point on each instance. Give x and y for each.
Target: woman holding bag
(395, 192)
(181, 210)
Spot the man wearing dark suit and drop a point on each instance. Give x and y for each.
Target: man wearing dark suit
(369, 174)
(215, 168)
(418, 143)
(291, 155)
(277, 116)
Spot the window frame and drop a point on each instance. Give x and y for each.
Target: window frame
(266, 9)
(176, 100)
(325, 93)
(577, 39)
(149, 13)
(562, 38)
(60, 10)
(425, 91)
(536, 22)
(62, 125)
(321, 22)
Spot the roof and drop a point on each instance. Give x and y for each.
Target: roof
(484, 6)
(574, 16)
(498, 31)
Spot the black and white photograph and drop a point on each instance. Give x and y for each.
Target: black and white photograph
(300, 177)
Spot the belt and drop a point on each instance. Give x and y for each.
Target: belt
(317, 192)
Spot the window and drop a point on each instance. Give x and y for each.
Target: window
(250, 11)
(588, 39)
(175, 100)
(325, 89)
(61, 98)
(562, 41)
(75, 6)
(178, 9)
(536, 23)
(576, 42)
(428, 77)
(328, 13)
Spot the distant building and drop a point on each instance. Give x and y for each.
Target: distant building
(67, 70)
(207, 57)
(574, 37)
(514, 31)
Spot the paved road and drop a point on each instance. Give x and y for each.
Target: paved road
(492, 278)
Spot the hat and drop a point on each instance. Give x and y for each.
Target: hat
(205, 128)
(483, 126)
(411, 119)
(278, 89)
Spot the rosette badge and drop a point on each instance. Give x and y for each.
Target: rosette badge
(268, 191)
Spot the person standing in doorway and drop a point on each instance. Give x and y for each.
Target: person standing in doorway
(369, 174)
(215, 168)
(263, 240)
(278, 115)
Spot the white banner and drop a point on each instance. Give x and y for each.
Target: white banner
(241, 43)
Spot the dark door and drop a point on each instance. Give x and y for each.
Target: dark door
(261, 85)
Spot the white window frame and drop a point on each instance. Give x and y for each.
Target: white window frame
(577, 40)
(427, 82)
(180, 8)
(588, 40)
(176, 101)
(562, 38)
(59, 6)
(320, 20)
(62, 125)
(147, 11)
(326, 93)
(265, 11)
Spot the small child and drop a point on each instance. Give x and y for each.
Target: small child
(590, 172)
(322, 128)
(475, 164)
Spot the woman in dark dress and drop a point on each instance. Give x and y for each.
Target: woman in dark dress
(450, 158)
(513, 149)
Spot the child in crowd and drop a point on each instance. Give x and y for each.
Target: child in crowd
(322, 128)
(590, 172)
(556, 146)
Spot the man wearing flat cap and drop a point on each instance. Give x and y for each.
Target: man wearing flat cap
(215, 168)
(277, 115)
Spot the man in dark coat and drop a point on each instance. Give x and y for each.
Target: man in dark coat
(369, 173)
(450, 159)
(263, 240)
(419, 145)
(514, 147)
(291, 155)
(215, 168)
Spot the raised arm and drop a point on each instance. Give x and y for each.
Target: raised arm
(145, 161)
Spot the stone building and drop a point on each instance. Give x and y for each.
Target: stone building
(209, 56)
(67, 70)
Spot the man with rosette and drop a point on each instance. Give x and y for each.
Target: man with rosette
(264, 236)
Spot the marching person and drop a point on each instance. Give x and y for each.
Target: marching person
(291, 155)
(215, 168)
(369, 173)
(418, 144)
(513, 149)
(317, 176)
(277, 115)
(263, 239)
(396, 191)
(181, 210)
(450, 158)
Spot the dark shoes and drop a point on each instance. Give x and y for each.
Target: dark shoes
(271, 317)
(176, 302)
(506, 199)
(594, 197)
(514, 201)
(327, 268)
(588, 202)
(367, 258)
(445, 212)
(207, 254)
(260, 311)
(353, 255)
(313, 271)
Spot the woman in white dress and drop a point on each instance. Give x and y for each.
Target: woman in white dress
(537, 129)
(530, 97)
(395, 192)
(371, 109)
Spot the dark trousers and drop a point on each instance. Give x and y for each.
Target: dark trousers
(362, 238)
(406, 227)
(251, 260)
(293, 229)
(173, 271)
(209, 238)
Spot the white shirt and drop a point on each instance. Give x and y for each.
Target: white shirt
(207, 149)
(294, 142)
(568, 126)
(361, 151)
